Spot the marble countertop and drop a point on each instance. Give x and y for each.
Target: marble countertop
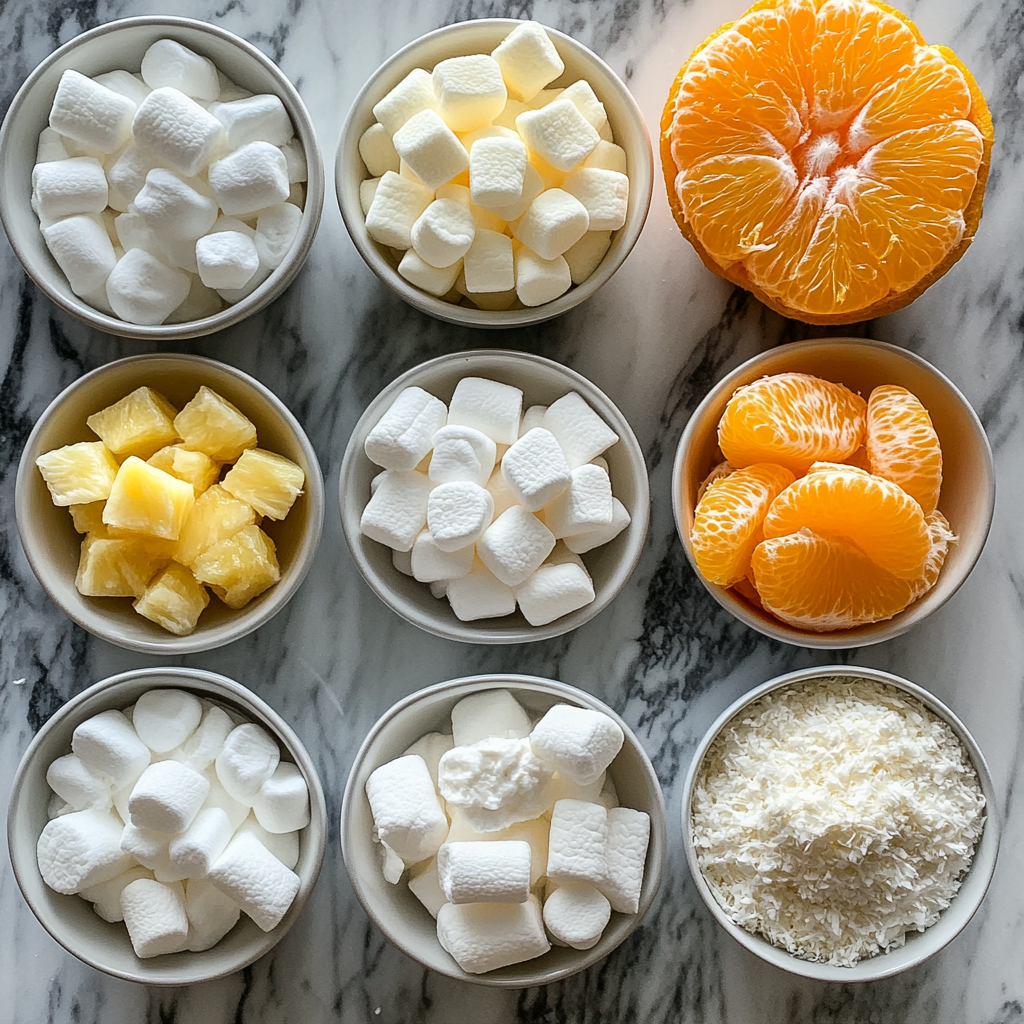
(664, 654)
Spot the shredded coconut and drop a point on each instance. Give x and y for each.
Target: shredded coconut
(835, 816)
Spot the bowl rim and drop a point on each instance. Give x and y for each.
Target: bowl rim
(657, 848)
(776, 629)
(277, 281)
(464, 632)
(203, 683)
(242, 625)
(985, 855)
(642, 181)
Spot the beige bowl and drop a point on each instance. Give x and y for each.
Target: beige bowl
(919, 945)
(52, 546)
(398, 913)
(470, 37)
(70, 919)
(542, 382)
(121, 45)
(968, 485)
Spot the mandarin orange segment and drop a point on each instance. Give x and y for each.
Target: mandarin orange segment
(940, 537)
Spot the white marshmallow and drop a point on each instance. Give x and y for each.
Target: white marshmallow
(629, 832)
(249, 758)
(533, 185)
(260, 118)
(226, 259)
(460, 193)
(195, 850)
(443, 233)
(582, 434)
(283, 845)
(397, 512)
(512, 109)
(143, 290)
(149, 848)
(425, 886)
(534, 832)
(528, 60)
(133, 233)
(406, 811)
(532, 417)
(177, 130)
(80, 849)
(583, 542)
(491, 131)
(555, 221)
(488, 714)
(490, 872)
(127, 174)
(378, 151)
(393, 867)
(256, 880)
(282, 803)
(470, 91)
(211, 914)
(435, 280)
(250, 179)
(167, 797)
(553, 591)
(608, 157)
(236, 810)
(200, 303)
(50, 147)
(604, 193)
(172, 208)
(154, 914)
(576, 845)
(488, 263)
(539, 280)
(504, 497)
(430, 748)
(585, 505)
(397, 204)
(276, 228)
(295, 157)
(166, 718)
(497, 168)
(561, 787)
(535, 469)
(576, 915)
(402, 560)
(482, 937)
(229, 90)
(561, 555)
(458, 513)
(578, 742)
(488, 406)
(414, 93)
(62, 188)
(430, 148)
(169, 64)
(82, 249)
(480, 595)
(608, 796)
(582, 94)
(430, 564)
(515, 545)
(233, 295)
(110, 748)
(76, 785)
(404, 434)
(124, 83)
(91, 113)
(367, 190)
(461, 453)
(558, 133)
(205, 741)
(105, 897)
(586, 255)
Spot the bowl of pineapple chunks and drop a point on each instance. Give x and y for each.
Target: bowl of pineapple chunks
(169, 503)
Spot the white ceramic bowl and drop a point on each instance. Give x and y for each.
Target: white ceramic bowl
(968, 477)
(71, 920)
(470, 37)
(52, 546)
(542, 382)
(919, 945)
(398, 913)
(121, 45)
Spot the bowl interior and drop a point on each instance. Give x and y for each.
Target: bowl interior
(471, 37)
(542, 382)
(397, 911)
(71, 919)
(968, 485)
(52, 545)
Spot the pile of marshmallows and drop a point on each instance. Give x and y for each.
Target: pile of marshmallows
(165, 195)
(531, 812)
(489, 186)
(483, 536)
(173, 817)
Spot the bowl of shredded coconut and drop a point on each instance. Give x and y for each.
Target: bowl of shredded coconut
(841, 823)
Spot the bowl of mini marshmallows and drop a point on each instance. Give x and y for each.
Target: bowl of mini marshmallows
(494, 173)
(166, 826)
(161, 178)
(503, 829)
(840, 823)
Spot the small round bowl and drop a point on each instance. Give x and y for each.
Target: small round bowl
(919, 945)
(471, 37)
(52, 546)
(968, 477)
(397, 912)
(542, 381)
(120, 45)
(71, 920)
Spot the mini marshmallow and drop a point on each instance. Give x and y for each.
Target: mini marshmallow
(512, 109)
(133, 233)
(397, 204)
(553, 591)
(608, 157)
(414, 93)
(584, 505)
(493, 872)
(486, 715)
(260, 118)
(69, 778)
(534, 832)
(250, 179)
(110, 748)
(503, 495)
(539, 280)
(582, 542)
(576, 845)
(200, 303)
(489, 406)
(576, 914)
(154, 914)
(167, 797)
(436, 281)
(256, 880)
(430, 148)
(582, 434)
(105, 897)
(461, 453)
(233, 295)
(629, 832)
(249, 758)
(404, 434)
(172, 208)
(168, 64)
(194, 852)
(201, 747)
(578, 742)
(488, 264)
(226, 259)
(397, 512)
(586, 255)
(211, 914)
(166, 718)
(425, 886)
(82, 249)
(605, 194)
(149, 848)
(528, 60)
(497, 168)
(535, 469)
(431, 747)
(127, 175)
(558, 133)
(402, 561)
(582, 94)
(555, 221)
(482, 937)
(125, 84)
(480, 595)
(491, 131)
(428, 563)
(378, 151)
(533, 417)
(282, 803)
(561, 787)
(91, 113)
(470, 91)
(80, 849)
(50, 147)
(367, 190)
(609, 796)
(458, 513)
(295, 158)
(515, 545)
(443, 233)
(393, 866)
(143, 290)
(406, 812)
(283, 845)
(177, 130)
(533, 185)
(276, 228)
(62, 188)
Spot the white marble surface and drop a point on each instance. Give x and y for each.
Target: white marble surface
(663, 654)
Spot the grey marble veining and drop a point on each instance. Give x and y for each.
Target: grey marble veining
(664, 654)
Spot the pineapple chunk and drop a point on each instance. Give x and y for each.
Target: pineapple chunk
(140, 424)
(196, 468)
(173, 600)
(239, 568)
(216, 516)
(88, 518)
(119, 568)
(211, 424)
(78, 473)
(268, 482)
(148, 500)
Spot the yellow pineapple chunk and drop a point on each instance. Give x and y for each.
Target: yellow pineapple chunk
(268, 482)
(148, 500)
(239, 568)
(211, 424)
(88, 518)
(140, 424)
(78, 473)
(195, 467)
(173, 600)
(216, 516)
(112, 567)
